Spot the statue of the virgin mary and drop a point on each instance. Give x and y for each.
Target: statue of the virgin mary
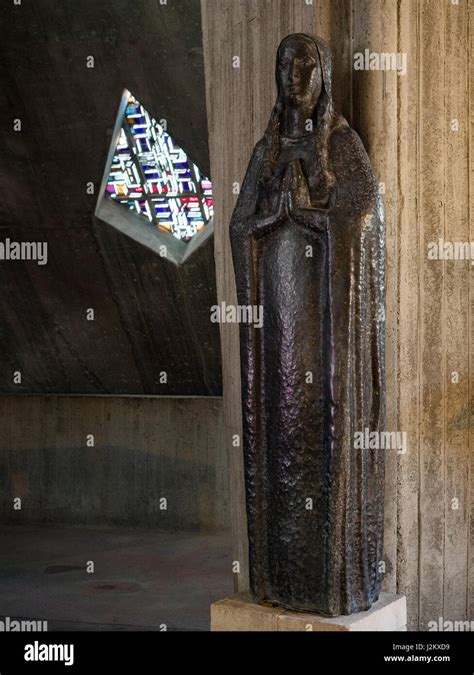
(308, 248)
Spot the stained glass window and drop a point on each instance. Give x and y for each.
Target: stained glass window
(153, 176)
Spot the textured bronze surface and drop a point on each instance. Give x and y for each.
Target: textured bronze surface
(308, 247)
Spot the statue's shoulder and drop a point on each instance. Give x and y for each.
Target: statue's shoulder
(348, 155)
(345, 140)
(351, 164)
(264, 143)
(260, 150)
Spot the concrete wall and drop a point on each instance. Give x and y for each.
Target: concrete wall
(149, 315)
(426, 167)
(144, 450)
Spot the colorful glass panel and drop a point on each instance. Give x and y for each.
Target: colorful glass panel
(153, 176)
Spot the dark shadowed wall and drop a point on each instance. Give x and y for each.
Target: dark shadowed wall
(150, 316)
(144, 451)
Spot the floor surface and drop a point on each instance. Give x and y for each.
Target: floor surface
(142, 579)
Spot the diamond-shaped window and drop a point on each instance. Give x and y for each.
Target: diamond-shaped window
(165, 200)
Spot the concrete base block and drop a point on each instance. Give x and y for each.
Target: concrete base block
(241, 613)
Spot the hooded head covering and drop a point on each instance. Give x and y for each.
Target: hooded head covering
(324, 53)
(323, 112)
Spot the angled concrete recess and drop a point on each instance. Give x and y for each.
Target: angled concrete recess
(144, 225)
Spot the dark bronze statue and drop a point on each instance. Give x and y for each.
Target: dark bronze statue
(308, 248)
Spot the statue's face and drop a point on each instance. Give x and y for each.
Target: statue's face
(299, 72)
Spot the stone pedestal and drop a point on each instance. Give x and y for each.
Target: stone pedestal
(241, 613)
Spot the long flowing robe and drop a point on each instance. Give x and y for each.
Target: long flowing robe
(313, 374)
